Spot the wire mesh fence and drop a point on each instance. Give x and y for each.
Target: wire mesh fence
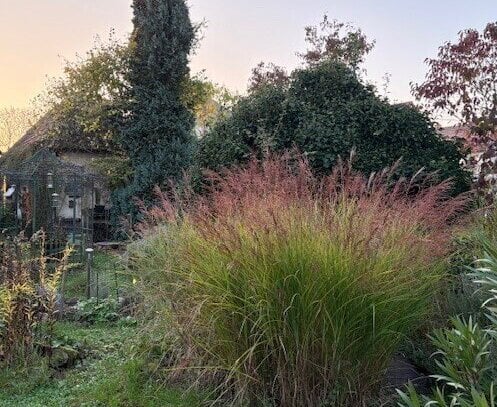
(46, 193)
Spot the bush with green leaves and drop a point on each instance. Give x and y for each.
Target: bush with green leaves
(326, 111)
(467, 369)
(467, 362)
(94, 310)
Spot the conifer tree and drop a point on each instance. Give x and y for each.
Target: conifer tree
(158, 127)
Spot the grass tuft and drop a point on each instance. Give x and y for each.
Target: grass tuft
(287, 287)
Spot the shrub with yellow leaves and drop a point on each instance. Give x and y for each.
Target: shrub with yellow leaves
(29, 287)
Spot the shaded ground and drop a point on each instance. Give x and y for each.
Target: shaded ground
(96, 381)
(105, 373)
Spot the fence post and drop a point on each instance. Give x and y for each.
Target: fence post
(89, 261)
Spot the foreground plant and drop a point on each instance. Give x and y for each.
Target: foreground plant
(468, 368)
(29, 284)
(287, 287)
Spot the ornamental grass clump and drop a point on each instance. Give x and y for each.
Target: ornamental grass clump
(293, 288)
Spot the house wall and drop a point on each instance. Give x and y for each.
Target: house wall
(100, 197)
(66, 212)
(82, 159)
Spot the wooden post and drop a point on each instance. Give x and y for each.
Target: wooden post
(89, 260)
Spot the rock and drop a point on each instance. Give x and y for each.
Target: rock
(63, 357)
(71, 302)
(401, 372)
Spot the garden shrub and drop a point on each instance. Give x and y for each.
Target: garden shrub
(466, 363)
(285, 286)
(325, 111)
(250, 129)
(457, 298)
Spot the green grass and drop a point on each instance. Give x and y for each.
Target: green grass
(110, 376)
(112, 278)
(294, 289)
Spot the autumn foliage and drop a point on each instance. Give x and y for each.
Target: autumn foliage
(461, 80)
(285, 286)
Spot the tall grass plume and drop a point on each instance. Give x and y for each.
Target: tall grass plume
(293, 288)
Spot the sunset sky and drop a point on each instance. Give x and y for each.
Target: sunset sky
(35, 36)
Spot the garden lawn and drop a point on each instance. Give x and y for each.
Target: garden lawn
(112, 277)
(107, 377)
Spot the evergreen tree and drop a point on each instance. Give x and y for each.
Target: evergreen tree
(158, 127)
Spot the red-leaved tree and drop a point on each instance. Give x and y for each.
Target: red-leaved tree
(462, 83)
(268, 74)
(462, 80)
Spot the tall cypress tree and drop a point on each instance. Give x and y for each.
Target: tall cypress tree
(158, 128)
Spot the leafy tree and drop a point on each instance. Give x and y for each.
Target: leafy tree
(326, 111)
(462, 80)
(86, 103)
(336, 41)
(206, 100)
(331, 40)
(84, 108)
(115, 169)
(158, 131)
(268, 74)
(14, 122)
(198, 96)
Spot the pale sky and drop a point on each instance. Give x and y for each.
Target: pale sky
(35, 36)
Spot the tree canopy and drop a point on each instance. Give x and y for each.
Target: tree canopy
(462, 79)
(326, 111)
(333, 40)
(158, 132)
(87, 102)
(330, 40)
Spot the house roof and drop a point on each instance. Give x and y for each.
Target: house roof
(45, 135)
(44, 163)
(466, 136)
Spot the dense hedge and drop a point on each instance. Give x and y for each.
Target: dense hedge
(326, 111)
